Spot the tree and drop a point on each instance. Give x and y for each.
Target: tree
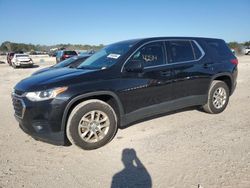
(247, 43)
(6, 46)
(234, 45)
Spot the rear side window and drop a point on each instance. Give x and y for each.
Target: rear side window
(70, 53)
(219, 48)
(179, 51)
(152, 54)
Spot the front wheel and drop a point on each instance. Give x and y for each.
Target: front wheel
(91, 124)
(14, 65)
(218, 97)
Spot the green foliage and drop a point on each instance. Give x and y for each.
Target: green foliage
(247, 43)
(234, 45)
(8, 46)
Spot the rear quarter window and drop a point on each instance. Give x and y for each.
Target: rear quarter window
(219, 48)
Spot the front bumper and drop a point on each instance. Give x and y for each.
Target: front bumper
(41, 120)
(24, 63)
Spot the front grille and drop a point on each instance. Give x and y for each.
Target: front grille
(19, 107)
(24, 61)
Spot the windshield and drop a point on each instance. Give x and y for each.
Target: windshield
(22, 55)
(107, 56)
(73, 62)
(66, 62)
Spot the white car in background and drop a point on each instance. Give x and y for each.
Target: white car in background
(21, 60)
(247, 51)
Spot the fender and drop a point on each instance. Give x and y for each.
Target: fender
(221, 74)
(86, 95)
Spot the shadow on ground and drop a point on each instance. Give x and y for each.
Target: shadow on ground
(28, 67)
(134, 173)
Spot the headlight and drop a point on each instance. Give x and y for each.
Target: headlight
(46, 94)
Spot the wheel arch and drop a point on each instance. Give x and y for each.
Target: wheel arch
(106, 96)
(225, 77)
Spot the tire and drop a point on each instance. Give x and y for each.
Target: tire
(82, 122)
(212, 106)
(14, 65)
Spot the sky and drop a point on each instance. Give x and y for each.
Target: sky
(95, 22)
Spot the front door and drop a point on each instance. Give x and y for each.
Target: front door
(153, 85)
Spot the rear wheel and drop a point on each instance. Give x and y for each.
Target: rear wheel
(91, 124)
(218, 97)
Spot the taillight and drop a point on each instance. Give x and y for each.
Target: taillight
(234, 61)
(66, 56)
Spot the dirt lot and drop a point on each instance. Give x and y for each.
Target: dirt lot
(184, 149)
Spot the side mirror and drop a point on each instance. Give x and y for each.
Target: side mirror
(134, 66)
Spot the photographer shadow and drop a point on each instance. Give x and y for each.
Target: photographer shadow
(134, 173)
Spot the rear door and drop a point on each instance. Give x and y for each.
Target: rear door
(185, 57)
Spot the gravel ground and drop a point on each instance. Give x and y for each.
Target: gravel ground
(185, 149)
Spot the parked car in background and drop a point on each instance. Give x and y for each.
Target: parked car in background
(10, 55)
(123, 83)
(52, 53)
(64, 54)
(72, 62)
(21, 60)
(247, 50)
(91, 52)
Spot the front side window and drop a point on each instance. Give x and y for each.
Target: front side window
(151, 54)
(179, 51)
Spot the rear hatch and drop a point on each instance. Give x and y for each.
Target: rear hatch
(68, 54)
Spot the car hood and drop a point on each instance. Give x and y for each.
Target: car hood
(54, 78)
(42, 70)
(23, 58)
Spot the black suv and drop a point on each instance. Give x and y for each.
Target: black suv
(123, 83)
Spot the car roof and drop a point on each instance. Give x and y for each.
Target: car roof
(167, 38)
